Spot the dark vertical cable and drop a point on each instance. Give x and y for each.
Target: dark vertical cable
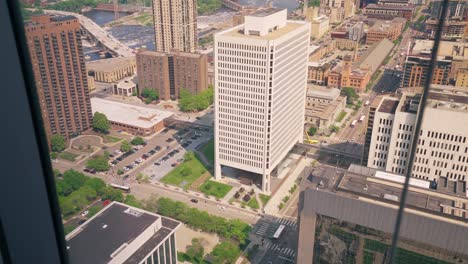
(417, 130)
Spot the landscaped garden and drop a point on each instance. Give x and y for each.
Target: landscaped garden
(186, 173)
(68, 156)
(216, 189)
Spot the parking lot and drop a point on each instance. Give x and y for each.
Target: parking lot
(275, 250)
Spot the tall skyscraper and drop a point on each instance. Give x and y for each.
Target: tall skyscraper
(60, 73)
(175, 25)
(260, 80)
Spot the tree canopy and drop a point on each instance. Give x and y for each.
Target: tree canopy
(125, 146)
(150, 95)
(98, 163)
(350, 94)
(101, 123)
(196, 102)
(208, 6)
(225, 252)
(137, 141)
(57, 143)
(312, 131)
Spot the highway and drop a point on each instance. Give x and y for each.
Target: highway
(104, 37)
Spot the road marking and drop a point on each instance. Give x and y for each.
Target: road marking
(286, 259)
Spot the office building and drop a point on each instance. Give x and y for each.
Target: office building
(323, 105)
(457, 9)
(442, 149)
(60, 73)
(111, 70)
(260, 82)
(169, 72)
(453, 29)
(135, 120)
(319, 26)
(175, 25)
(462, 78)
(120, 233)
(359, 212)
(386, 12)
(390, 30)
(336, 15)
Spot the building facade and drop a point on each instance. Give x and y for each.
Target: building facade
(323, 105)
(175, 25)
(111, 70)
(345, 76)
(168, 73)
(260, 82)
(319, 26)
(60, 73)
(442, 149)
(124, 88)
(388, 12)
(462, 78)
(124, 234)
(318, 73)
(390, 30)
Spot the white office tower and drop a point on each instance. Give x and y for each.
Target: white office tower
(443, 146)
(260, 80)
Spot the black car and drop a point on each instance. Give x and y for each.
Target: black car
(193, 137)
(176, 150)
(126, 177)
(194, 200)
(157, 148)
(165, 131)
(120, 158)
(86, 170)
(151, 152)
(115, 162)
(169, 140)
(157, 163)
(189, 142)
(111, 155)
(185, 145)
(93, 171)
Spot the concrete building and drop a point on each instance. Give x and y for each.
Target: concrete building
(393, 2)
(111, 70)
(388, 12)
(442, 146)
(374, 57)
(120, 233)
(319, 26)
(390, 30)
(175, 25)
(356, 31)
(60, 73)
(457, 9)
(345, 76)
(462, 78)
(168, 73)
(124, 88)
(336, 15)
(136, 120)
(260, 82)
(453, 29)
(323, 105)
(318, 72)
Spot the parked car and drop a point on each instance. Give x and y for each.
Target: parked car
(194, 200)
(165, 131)
(157, 148)
(169, 140)
(93, 171)
(85, 213)
(157, 163)
(86, 170)
(174, 164)
(126, 177)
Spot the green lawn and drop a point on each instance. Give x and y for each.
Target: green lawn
(208, 151)
(369, 257)
(340, 116)
(67, 228)
(185, 173)
(111, 139)
(216, 189)
(404, 256)
(374, 245)
(253, 203)
(265, 198)
(68, 156)
(344, 236)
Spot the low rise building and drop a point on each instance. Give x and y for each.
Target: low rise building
(111, 70)
(136, 120)
(462, 78)
(388, 12)
(337, 15)
(390, 30)
(120, 233)
(452, 29)
(124, 88)
(168, 73)
(323, 105)
(374, 57)
(318, 72)
(319, 26)
(345, 76)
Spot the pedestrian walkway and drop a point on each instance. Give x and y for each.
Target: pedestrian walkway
(287, 222)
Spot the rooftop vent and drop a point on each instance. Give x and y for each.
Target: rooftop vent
(133, 212)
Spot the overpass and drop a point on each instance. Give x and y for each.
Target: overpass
(232, 4)
(330, 150)
(98, 34)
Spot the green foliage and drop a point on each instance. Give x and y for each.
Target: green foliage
(196, 102)
(132, 201)
(195, 251)
(286, 198)
(186, 173)
(106, 154)
(109, 193)
(405, 256)
(228, 229)
(74, 5)
(334, 129)
(312, 131)
(68, 156)
(96, 184)
(93, 210)
(111, 139)
(253, 203)
(264, 198)
(208, 151)
(134, 94)
(26, 14)
(376, 246)
(281, 205)
(293, 189)
(204, 41)
(208, 6)
(315, 3)
(150, 95)
(125, 146)
(57, 143)
(99, 163)
(120, 172)
(368, 257)
(350, 94)
(217, 189)
(53, 155)
(57, 173)
(344, 236)
(225, 252)
(340, 116)
(137, 141)
(101, 123)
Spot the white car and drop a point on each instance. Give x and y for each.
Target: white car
(85, 213)
(353, 139)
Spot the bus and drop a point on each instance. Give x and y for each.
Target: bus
(121, 187)
(278, 232)
(353, 123)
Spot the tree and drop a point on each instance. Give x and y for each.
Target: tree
(106, 154)
(120, 172)
(225, 252)
(112, 194)
(98, 163)
(132, 201)
(53, 155)
(74, 179)
(57, 143)
(150, 95)
(350, 94)
(312, 131)
(334, 129)
(96, 184)
(137, 141)
(195, 251)
(196, 102)
(57, 173)
(101, 123)
(125, 146)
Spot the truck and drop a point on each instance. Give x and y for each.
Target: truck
(362, 118)
(353, 123)
(367, 102)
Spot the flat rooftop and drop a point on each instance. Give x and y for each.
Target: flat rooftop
(133, 115)
(275, 34)
(102, 235)
(388, 106)
(108, 65)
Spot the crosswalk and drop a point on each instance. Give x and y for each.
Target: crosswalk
(287, 222)
(261, 231)
(282, 250)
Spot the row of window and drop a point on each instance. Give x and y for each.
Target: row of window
(444, 136)
(242, 81)
(232, 120)
(255, 139)
(242, 47)
(241, 61)
(240, 149)
(240, 157)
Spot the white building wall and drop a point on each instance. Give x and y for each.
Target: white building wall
(380, 142)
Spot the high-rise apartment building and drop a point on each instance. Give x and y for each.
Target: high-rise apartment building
(169, 72)
(260, 81)
(175, 25)
(60, 73)
(442, 149)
